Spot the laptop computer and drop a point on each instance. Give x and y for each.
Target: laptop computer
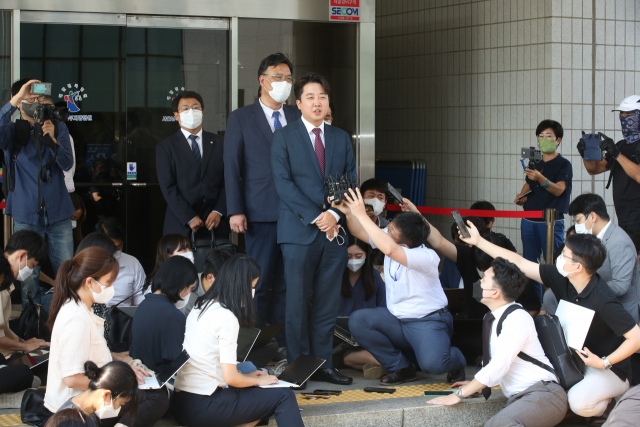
(342, 331)
(267, 334)
(152, 383)
(298, 372)
(41, 359)
(246, 340)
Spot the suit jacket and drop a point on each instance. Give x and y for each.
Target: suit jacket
(299, 181)
(247, 169)
(620, 269)
(190, 190)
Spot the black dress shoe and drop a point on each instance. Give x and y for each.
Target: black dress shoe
(400, 376)
(455, 375)
(331, 375)
(302, 387)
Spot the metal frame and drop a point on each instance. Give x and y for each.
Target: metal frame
(366, 100)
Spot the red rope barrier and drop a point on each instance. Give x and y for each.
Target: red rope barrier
(474, 212)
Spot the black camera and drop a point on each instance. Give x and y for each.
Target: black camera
(51, 112)
(339, 185)
(533, 154)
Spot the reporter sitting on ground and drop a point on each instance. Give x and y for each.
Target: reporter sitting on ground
(111, 389)
(362, 287)
(613, 334)
(68, 418)
(168, 246)
(534, 396)
(416, 317)
(158, 325)
(77, 333)
(209, 387)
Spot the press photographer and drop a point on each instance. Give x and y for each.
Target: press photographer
(36, 152)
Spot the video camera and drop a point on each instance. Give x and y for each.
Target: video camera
(338, 185)
(533, 154)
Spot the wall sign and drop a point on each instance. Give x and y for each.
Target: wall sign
(344, 10)
(132, 171)
(74, 94)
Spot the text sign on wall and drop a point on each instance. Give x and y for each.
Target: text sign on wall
(345, 10)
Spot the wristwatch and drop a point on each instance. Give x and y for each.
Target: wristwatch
(459, 393)
(607, 364)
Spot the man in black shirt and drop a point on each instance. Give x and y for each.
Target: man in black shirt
(613, 335)
(623, 159)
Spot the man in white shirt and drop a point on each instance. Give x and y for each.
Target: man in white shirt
(534, 396)
(416, 319)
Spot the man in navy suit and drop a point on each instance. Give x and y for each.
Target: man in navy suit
(252, 201)
(315, 256)
(191, 173)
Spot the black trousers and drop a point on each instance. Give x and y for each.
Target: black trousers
(153, 406)
(631, 228)
(15, 378)
(234, 406)
(261, 240)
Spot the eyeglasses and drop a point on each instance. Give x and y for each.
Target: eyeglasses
(281, 78)
(186, 108)
(33, 100)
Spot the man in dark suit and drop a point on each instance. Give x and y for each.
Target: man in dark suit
(191, 172)
(315, 256)
(252, 201)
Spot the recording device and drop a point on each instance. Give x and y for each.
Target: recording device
(461, 226)
(533, 154)
(50, 112)
(339, 185)
(395, 193)
(328, 392)
(592, 143)
(41, 89)
(379, 390)
(439, 393)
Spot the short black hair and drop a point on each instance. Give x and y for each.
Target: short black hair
(412, 228)
(508, 277)
(97, 239)
(176, 274)
(274, 60)
(332, 108)
(484, 206)
(588, 250)
(484, 260)
(375, 185)
(29, 241)
(587, 203)
(311, 78)
(186, 94)
(214, 261)
(111, 227)
(550, 124)
(16, 86)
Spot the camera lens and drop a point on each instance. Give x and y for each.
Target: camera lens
(61, 113)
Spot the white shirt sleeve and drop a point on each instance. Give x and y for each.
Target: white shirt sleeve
(138, 283)
(335, 215)
(421, 260)
(228, 341)
(74, 346)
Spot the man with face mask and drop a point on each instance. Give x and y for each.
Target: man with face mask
(623, 160)
(374, 192)
(191, 173)
(252, 200)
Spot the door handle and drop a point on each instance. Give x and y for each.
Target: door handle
(138, 184)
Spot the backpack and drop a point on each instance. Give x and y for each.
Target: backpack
(567, 366)
(32, 322)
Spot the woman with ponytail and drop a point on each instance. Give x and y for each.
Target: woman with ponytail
(112, 394)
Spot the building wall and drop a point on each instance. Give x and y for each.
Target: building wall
(463, 85)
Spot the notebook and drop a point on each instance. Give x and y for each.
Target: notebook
(152, 383)
(298, 372)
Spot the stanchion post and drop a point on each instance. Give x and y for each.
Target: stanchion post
(550, 220)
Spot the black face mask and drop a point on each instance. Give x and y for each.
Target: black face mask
(477, 291)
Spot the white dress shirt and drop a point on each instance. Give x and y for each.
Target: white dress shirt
(604, 230)
(130, 281)
(505, 368)
(268, 112)
(413, 291)
(210, 340)
(198, 139)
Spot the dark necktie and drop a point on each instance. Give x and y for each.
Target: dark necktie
(319, 147)
(486, 347)
(276, 120)
(195, 149)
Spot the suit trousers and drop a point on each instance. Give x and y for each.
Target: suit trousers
(261, 240)
(543, 404)
(314, 277)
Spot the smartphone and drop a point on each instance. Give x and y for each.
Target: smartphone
(525, 194)
(396, 195)
(379, 389)
(314, 396)
(369, 208)
(41, 89)
(333, 392)
(439, 393)
(582, 352)
(461, 226)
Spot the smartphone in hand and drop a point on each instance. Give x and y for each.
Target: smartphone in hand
(461, 226)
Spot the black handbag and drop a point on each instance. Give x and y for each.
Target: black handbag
(32, 409)
(202, 246)
(32, 323)
(121, 333)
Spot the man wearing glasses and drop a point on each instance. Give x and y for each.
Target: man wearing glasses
(252, 201)
(35, 204)
(191, 172)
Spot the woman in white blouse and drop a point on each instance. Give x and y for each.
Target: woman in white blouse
(77, 334)
(209, 387)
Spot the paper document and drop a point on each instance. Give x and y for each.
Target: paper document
(280, 384)
(150, 383)
(575, 321)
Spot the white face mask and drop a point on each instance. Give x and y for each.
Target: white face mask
(74, 224)
(480, 273)
(25, 272)
(117, 255)
(107, 411)
(582, 228)
(280, 92)
(560, 263)
(189, 256)
(355, 264)
(337, 236)
(191, 119)
(105, 295)
(183, 301)
(327, 123)
(377, 204)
